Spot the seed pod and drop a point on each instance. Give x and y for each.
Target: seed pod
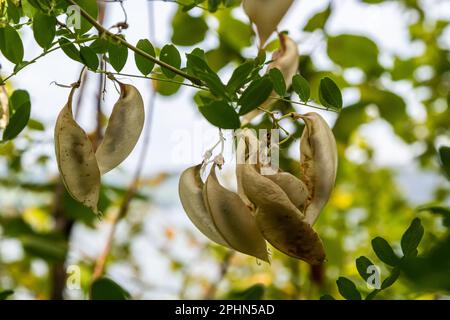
(233, 219)
(280, 222)
(76, 159)
(286, 59)
(124, 128)
(266, 15)
(318, 163)
(294, 188)
(191, 195)
(4, 108)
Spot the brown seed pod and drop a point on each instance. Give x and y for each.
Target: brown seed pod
(294, 188)
(233, 219)
(76, 158)
(318, 163)
(190, 189)
(266, 15)
(124, 129)
(281, 223)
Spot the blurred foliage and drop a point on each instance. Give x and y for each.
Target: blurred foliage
(368, 202)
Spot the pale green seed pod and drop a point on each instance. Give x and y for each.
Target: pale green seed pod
(319, 163)
(266, 15)
(76, 159)
(124, 129)
(281, 223)
(233, 219)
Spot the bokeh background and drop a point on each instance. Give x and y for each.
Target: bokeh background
(390, 58)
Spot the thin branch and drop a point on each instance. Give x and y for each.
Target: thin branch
(103, 31)
(224, 266)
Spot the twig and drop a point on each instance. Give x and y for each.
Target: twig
(224, 266)
(103, 31)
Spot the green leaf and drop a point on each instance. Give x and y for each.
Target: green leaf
(384, 251)
(106, 289)
(11, 45)
(35, 125)
(389, 281)
(221, 114)
(170, 55)
(213, 5)
(350, 51)
(44, 29)
(69, 49)
(13, 11)
(255, 292)
(188, 30)
(240, 76)
(362, 265)
(327, 297)
(214, 84)
(17, 99)
(255, 95)
(301, 87)
(118, 55)
(19, 118)
(144, 65)
(348, 289)
(99, 46)
(318, 21)
(444, 155)
(278, 81)
(412, 237)
(92, 8)
(5, 294)
(329, 94)
(372, 295)
(89, 57)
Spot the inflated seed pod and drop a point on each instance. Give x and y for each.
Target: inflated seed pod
(318, 163)
(294, 188)
(124, 128)
(281, 223)
(190, 189)
(76, 158)
(266, 15)
(233, 219)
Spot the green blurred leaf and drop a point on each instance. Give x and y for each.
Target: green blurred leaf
(5, 294)
(106, 289)
(389, 281)
(44, 29)
(13, 11)
(372, 294)
(327, 297)
(384, 251)
(11, 44)
(329, 94)
(49, 247)
(362, 265)
(89, 57)
(348, 289)
(350, 51)
(444, 155)
(318, 21)
(278, 81)
(255, 292)
(412, 237)
(118, 55)
(170, 55)
(221, 114)
(255, 95)
(301, 87)
(69, 49)
(435, 209)
(144, 65)
(188, 30)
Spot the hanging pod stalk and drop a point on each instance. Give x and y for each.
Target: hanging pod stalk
(233, 219)
(76, 158)
(190, 189)
(319, 163)
(266, 15)
(281, 223)
(124, 129)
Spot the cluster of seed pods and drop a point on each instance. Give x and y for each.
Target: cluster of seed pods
(79, 164)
